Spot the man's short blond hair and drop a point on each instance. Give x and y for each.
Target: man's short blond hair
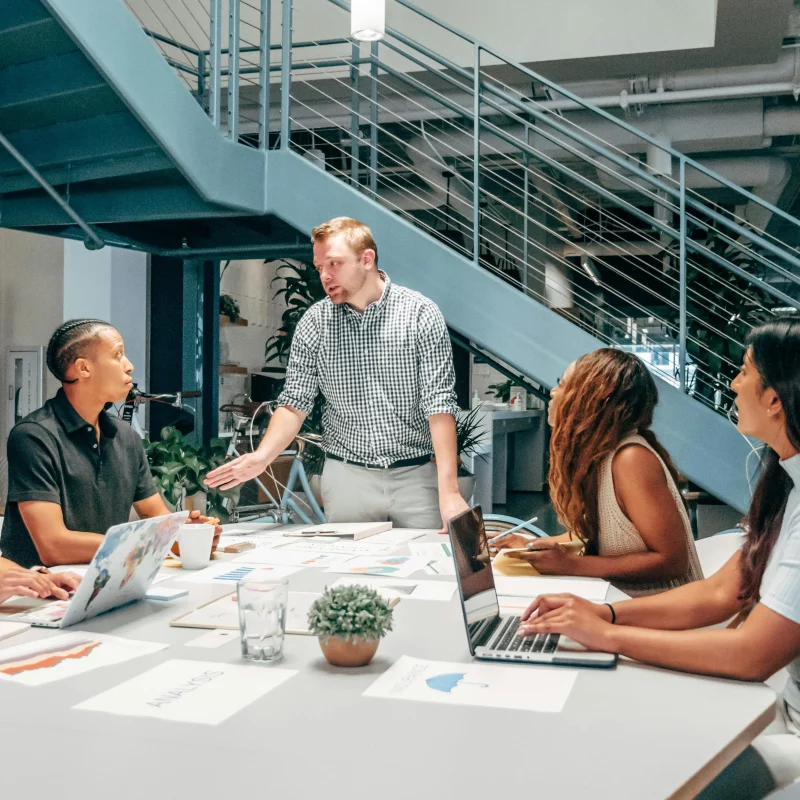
(357, 235)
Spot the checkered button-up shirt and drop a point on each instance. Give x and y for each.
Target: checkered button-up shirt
(382, 374)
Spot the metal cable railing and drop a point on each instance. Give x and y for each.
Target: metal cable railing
(650, 252)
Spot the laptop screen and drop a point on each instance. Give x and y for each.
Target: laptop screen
(473, 567)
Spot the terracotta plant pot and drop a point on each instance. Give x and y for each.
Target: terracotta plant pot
(346, 652)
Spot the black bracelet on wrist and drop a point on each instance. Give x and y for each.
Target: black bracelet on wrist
(613, 613)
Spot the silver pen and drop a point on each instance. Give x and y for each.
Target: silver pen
(512, 530)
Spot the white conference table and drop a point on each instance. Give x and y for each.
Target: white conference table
(634, 732)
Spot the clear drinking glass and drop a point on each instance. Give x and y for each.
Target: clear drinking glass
(262, 618)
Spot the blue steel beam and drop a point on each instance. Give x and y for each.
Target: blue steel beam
(122, 205)
(221, 172)
(109, 136)
(482, 307)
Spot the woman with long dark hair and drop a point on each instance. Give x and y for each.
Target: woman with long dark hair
(613, 485)
(762, 580)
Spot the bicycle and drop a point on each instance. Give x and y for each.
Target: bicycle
(287, 509)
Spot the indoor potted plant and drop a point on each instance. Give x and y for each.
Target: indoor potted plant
(350, 621)
(179, 471)
(468, 434)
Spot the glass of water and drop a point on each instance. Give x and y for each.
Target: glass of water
(262, 618)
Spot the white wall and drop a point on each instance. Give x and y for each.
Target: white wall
(252, 284)
(522, 30)
(31, 300)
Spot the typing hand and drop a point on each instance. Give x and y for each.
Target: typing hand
(23, 582)
(236, 471)
(584, 622)
(549, 558)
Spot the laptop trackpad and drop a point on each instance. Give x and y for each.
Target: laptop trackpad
(570, 644)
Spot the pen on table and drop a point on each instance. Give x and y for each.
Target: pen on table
(513, 530)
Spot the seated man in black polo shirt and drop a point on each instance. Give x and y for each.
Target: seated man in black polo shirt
(74, 470)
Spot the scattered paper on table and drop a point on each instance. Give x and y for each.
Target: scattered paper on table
(8, 629)
(213, 639)
(396, 566)
(297, 612)
(223, 613)
(294, 558)
(543, 689)
(57, 657)
(343, 548)
(432, 551)
(405, 590)
(398, 536)
(189, 691)
(530, 587)
(230, 572)
(445, 566)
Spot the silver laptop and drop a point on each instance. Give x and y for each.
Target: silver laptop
(492, 636)
(121, 571)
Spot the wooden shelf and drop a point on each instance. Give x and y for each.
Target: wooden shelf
(225, 321)
(232, 369)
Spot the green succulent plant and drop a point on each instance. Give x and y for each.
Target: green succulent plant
(350, 612)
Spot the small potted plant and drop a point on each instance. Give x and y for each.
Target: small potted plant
(350, 621)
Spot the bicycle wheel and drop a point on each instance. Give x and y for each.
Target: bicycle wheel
(496, 524)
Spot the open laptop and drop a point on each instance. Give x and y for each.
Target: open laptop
(492, 636)
(121, 571)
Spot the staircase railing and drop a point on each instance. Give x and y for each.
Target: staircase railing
(634, 241)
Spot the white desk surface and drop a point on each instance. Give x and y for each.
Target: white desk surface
(634, 732)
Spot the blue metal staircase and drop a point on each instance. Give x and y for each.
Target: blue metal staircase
(538, 238)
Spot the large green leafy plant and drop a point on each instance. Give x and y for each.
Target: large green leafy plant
(351, 613)
(179, 470)
(302, 288)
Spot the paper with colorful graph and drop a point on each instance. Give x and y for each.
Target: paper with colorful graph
(70, 654)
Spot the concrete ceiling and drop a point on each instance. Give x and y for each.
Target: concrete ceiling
(747, 32)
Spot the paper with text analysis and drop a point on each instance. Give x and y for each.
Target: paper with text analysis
(390, 588)
(393, 566)
(589, 588)
(204, 692)
(57, 657)
(543, 689)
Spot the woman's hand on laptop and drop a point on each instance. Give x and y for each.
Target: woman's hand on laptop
(585, 622)
(23, 582)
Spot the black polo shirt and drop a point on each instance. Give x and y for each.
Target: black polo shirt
(54, 456)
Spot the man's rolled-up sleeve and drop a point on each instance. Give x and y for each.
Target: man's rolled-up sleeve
(437, 377)
(34, 470)
(302, 376)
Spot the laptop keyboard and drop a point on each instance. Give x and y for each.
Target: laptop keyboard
(508, 640)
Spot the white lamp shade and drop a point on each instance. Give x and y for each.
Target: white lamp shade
(368, 20)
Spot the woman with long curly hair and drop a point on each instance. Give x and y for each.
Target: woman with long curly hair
(612, 483)
(761, 582)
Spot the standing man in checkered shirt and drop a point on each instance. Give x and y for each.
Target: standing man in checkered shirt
(380, 355)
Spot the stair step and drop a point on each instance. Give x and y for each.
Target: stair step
(57, 89)
(108, 136)
(28, 32)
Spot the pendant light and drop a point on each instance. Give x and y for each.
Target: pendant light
(367, 20)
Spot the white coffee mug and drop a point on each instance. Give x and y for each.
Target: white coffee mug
(195, 542)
